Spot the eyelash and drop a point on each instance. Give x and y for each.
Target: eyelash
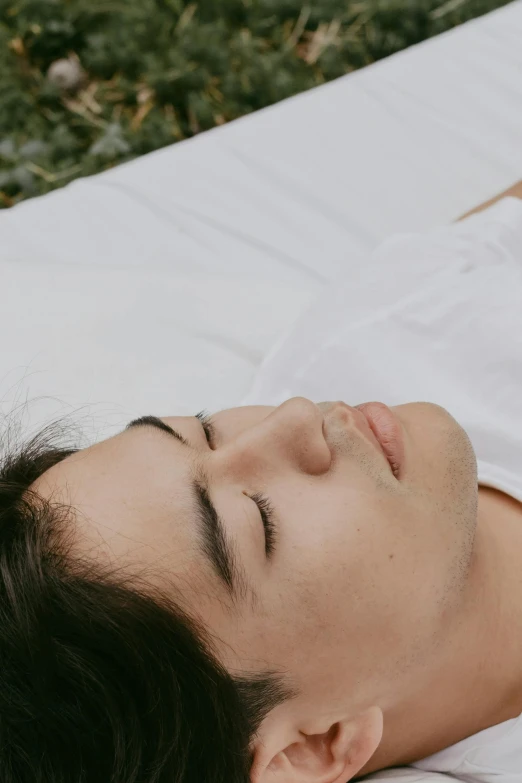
(262, 502)
(206, 423)
(267, 515)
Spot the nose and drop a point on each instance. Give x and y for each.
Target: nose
(340, 413)
(291, 437)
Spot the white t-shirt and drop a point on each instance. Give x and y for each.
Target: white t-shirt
(434, 317)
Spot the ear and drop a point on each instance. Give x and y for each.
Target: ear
(316, 753)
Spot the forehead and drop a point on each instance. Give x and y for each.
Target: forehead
(131, 498)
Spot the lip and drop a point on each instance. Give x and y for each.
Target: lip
(388, 431)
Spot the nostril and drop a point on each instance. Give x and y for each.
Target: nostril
(343, 411)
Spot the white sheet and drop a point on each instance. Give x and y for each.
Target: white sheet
(162, 284)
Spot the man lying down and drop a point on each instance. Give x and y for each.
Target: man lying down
(301, 592)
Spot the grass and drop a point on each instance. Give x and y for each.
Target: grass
(159, 71)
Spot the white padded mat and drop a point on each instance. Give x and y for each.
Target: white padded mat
(158, 287)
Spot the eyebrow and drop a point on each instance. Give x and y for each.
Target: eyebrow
(215, 544)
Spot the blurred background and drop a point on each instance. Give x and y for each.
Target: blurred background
(86, 85)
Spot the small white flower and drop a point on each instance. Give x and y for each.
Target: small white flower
(67, 74)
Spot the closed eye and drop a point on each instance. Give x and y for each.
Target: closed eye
(268, 518)
(266, 510)
(208, 428)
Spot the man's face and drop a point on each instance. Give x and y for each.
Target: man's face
(366, 570)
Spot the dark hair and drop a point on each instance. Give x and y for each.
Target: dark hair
(101, 680)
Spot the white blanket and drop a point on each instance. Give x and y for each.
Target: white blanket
(162, 284)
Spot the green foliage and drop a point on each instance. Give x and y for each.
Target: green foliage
(158, 71)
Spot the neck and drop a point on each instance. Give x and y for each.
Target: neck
(476, 679)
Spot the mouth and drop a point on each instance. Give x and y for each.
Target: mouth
(388, 431)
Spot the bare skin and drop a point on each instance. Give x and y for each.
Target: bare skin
(515, 191)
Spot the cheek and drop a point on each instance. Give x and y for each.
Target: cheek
(335, 536)
(328, 556)
(355, 562)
